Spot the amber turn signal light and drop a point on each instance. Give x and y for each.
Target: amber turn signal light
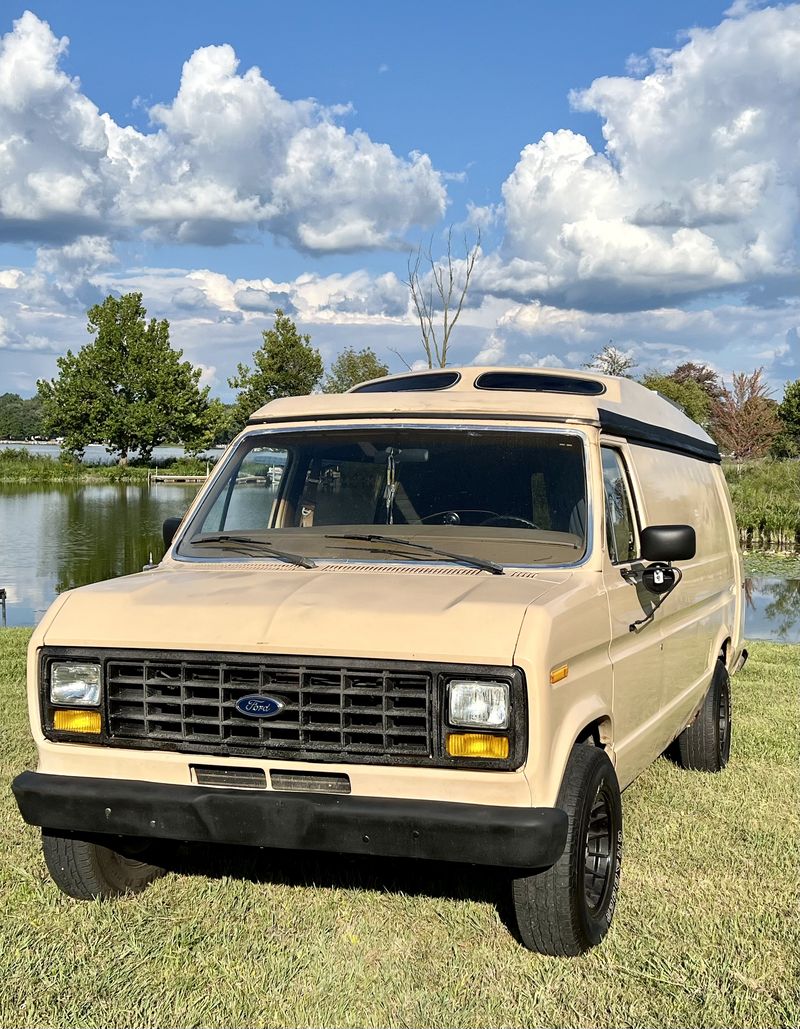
(559, 673)
(76, 721)
(477, 744)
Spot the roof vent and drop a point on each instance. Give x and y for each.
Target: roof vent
(540, 382)
(410, 383)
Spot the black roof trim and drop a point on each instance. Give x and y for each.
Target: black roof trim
(540, 382)
(410, 383)
(644, 434)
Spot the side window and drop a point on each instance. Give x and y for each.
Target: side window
(620, 527)
(248, 501)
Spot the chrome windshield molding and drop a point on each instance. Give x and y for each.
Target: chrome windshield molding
(570, 429)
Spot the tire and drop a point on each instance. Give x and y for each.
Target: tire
(705, 745)
(86, 870)
(567, 909)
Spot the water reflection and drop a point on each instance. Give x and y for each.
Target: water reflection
(773, 609)
(54, 538)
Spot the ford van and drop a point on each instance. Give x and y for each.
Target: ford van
(448, 615)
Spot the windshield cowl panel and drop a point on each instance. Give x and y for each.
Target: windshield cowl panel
(482, 497)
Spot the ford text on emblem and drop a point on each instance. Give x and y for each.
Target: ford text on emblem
(259, 707)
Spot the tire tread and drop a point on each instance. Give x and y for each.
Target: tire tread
(547, 913)
(85, 870)
(697, 746)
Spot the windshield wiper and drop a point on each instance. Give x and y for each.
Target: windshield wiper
(462, 559)
(245, 542)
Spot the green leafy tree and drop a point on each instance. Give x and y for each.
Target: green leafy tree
(787, 443)
(20, 419)
(10, 416)
(688, 395)
(286, 365)
(128, 388)
(354, 366)
(612, 361)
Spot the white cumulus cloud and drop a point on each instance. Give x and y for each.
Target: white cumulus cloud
(696, 189)
(227, 157)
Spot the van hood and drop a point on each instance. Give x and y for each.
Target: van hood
(409, 612)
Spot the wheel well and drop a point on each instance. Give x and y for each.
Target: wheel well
(725, 651)
(597, 732)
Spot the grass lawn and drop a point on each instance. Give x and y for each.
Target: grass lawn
(707, 930)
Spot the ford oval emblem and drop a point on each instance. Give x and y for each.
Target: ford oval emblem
(257, 706)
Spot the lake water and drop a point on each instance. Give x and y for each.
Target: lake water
(55, 537)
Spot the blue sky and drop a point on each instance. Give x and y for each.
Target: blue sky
(631, 167)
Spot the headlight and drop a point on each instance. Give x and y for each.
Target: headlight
(482, 704)
(75, 683)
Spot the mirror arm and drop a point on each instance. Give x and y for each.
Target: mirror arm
(641, 622)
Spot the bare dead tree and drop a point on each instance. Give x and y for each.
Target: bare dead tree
(440, 293)
(612, 361)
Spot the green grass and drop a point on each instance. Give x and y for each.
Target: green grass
(18, 465)
(706, 931)
(766, 498)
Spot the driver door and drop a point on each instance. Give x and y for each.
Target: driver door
(636, 656)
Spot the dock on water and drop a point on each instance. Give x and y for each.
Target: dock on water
(177, 478)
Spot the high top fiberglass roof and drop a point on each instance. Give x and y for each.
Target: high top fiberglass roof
(491, 392)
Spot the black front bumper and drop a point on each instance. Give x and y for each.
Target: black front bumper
(481, 834)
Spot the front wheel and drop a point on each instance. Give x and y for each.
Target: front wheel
(89, 870)
(567, 909)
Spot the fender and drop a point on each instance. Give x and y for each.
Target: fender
(546, 783)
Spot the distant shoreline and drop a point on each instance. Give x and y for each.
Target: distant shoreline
(22, 464)
(23, 443)
(33, 443)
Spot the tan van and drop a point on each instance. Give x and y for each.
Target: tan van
(447, 615)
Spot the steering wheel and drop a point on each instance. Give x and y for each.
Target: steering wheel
(509, 521)
(453, 517)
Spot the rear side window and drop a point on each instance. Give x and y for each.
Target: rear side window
(620, 524)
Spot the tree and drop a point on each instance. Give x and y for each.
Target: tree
(20, 419)
(688, 395)
(451, 279)
(612, 361)
(788, 443)
(286, 365)
(744, 420)
(703, 374)
(351, 367)
(128, 388)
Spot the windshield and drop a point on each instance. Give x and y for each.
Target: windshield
(495, 496)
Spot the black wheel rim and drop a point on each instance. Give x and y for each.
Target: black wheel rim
(598, 855)
(724, 724)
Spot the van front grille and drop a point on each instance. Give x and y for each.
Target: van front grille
(329, 712)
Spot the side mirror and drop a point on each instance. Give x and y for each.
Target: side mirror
(668, 543)
(168, 530)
